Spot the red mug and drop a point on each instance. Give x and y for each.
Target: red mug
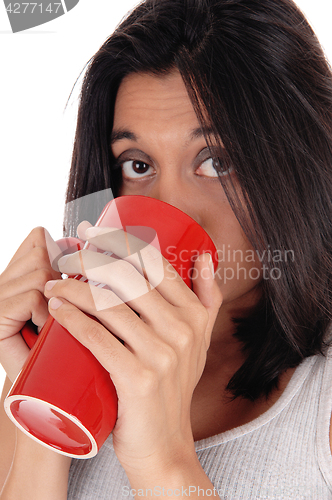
(63, 397)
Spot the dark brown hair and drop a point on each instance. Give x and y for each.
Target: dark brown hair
(257, 71)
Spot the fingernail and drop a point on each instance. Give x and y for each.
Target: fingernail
(55, 303)
(50, 284)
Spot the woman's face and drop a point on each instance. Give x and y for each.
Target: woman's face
(160, 146)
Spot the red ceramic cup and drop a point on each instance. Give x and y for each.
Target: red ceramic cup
(63, 397)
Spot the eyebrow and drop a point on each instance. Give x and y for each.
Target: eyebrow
(197, 133)
(118, 135)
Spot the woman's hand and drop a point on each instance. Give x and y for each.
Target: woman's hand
(165, 330)
(21, 296)
(35, 472)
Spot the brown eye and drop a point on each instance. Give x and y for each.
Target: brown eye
(133, 169)
(209, 168)
(140, 167)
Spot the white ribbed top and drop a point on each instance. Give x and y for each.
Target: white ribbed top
(284, 454)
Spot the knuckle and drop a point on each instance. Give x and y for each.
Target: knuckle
(85, 253)
(40, 256)
(66, 289)
(38, 234)
(123, 268)
(104, 299)
(36, 298)
(151, 254)
(95, 333)
(185, 336)
(167, 360)
(202, 322)
(44, 275)
(96, 338)
(148, 382)
(128, 319)
(199, 315)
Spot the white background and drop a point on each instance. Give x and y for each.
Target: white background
(38, 70)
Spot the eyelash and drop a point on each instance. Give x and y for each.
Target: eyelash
(134, 176)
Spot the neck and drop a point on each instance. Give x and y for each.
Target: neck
(213, 410)
(225, 351)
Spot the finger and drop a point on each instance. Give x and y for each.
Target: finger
(13, 354)
(55, 249)
(81, 228)
(142, 250)
(129, 247)
(125, 280)
(116, 316)
(160, 325)
(103, 345)
(32, 281)
(118, 274)
(14, 313)
(41, 238)
(84, 261)
(36, 259)
(17, 310)
(89, 298)
(206, 289)
(65, 246)
(122, 361)
(36, 238)
(121, 276)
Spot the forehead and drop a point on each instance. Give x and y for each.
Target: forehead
(144, 97)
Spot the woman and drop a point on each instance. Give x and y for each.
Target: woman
(223, 109)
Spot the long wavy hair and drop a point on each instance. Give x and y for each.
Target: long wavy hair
(258, 78)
